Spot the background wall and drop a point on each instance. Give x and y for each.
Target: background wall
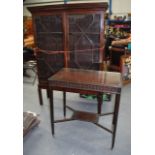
(118, 6)
(121, 6)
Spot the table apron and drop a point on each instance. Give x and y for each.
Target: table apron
(84, 91)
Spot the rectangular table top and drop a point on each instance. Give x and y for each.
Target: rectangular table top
(98, 81)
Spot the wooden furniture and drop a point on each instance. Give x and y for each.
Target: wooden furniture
(119, 62)
(72, 34)
(115, 58)
(90, 82)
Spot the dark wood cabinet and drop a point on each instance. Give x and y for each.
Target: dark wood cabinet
(75, 29)
(69, 35)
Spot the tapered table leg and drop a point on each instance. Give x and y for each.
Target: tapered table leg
(64, 103)
(40, 96)
(115, 118)
(100, 100)
(51, 111)
(47, 93)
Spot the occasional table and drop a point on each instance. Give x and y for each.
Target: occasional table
(87, 82)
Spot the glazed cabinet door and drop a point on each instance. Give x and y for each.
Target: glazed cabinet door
(49, 41)
(49, 32)
(85, 40)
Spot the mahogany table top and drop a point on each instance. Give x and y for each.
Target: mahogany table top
(91, 80)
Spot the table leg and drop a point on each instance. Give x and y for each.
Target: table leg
(51, 111)
(40, 96)
(64, 103)
(47, 93)
(100, 100)
(115, 118)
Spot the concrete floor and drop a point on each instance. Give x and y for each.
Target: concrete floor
(76, 137)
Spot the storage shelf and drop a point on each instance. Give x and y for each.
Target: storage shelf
(119, 21)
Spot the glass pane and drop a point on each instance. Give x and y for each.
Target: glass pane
(84, 40)
(49, 32)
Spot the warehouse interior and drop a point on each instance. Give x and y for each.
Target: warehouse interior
(109, 51)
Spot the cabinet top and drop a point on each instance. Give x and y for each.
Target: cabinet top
(94, 6)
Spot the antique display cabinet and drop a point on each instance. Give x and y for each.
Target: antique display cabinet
(68, 35)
